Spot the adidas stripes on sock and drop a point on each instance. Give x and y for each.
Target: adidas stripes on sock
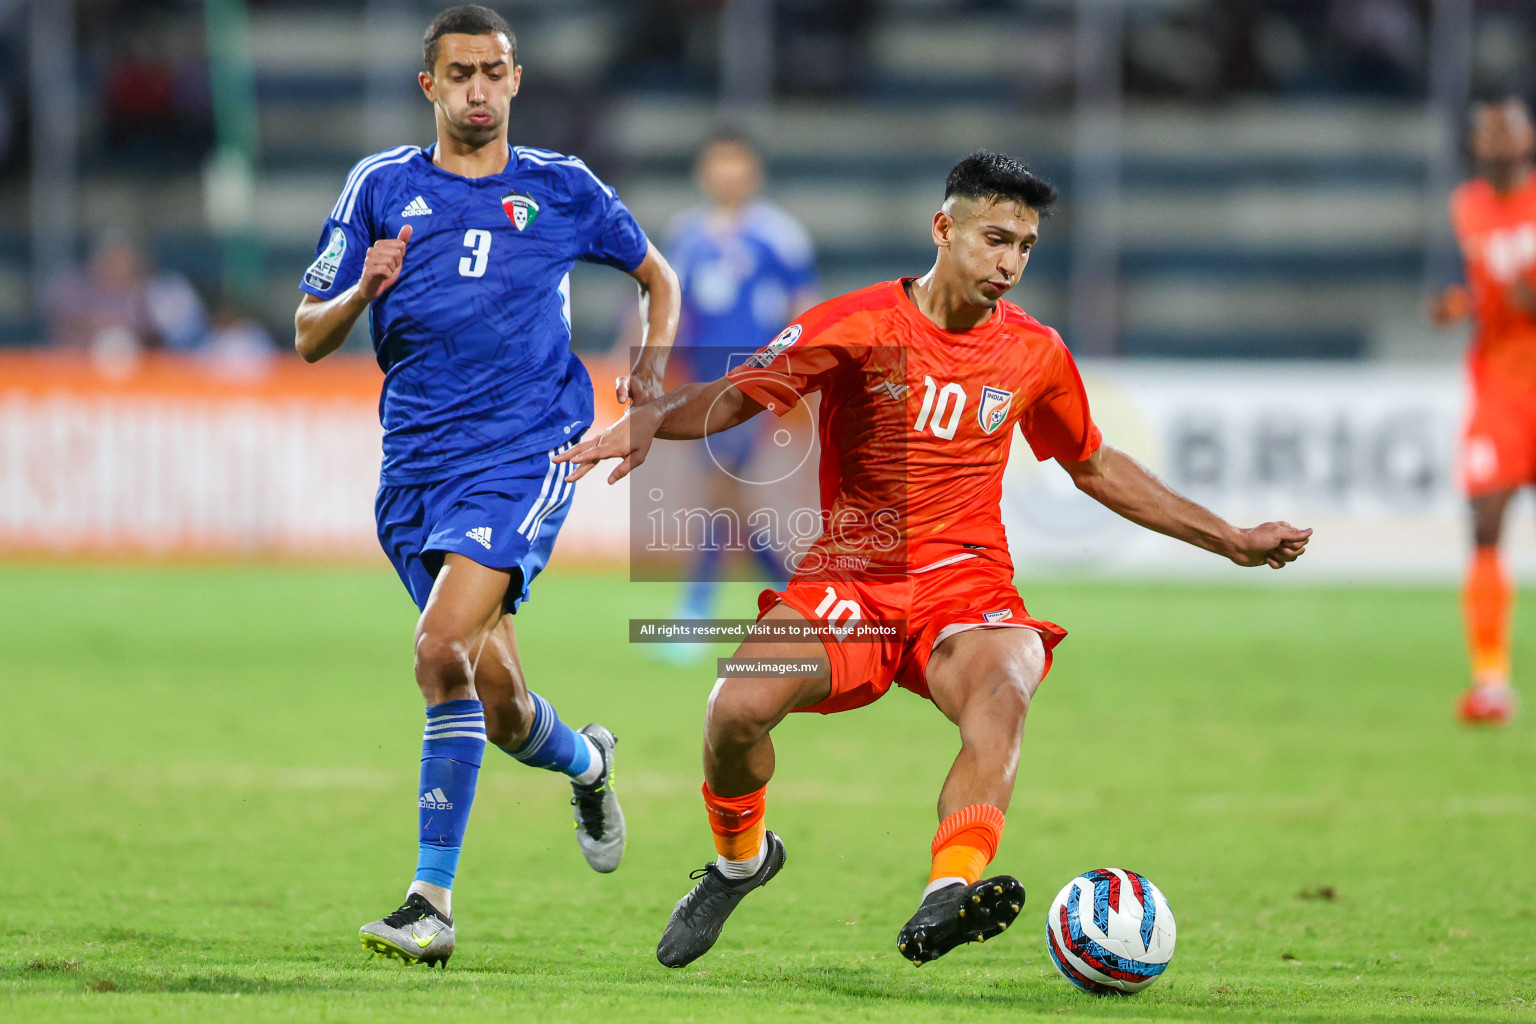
(553, 745)
(451, 750)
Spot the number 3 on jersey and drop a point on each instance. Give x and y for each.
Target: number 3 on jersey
(479, 242)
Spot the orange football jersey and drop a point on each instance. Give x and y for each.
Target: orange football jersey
(1497, 234)
(916, 422)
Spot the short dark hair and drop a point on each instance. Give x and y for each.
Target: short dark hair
(724, 135)
(465, 19)
(993, 176)
(1497, 98)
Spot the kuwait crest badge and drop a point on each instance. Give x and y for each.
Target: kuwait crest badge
(993, 410)
(521, 209)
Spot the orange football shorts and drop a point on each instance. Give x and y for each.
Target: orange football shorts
(927, 607)
(1498, 446)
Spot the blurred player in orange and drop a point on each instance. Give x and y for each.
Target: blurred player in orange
(1494, 216)
(922, 381)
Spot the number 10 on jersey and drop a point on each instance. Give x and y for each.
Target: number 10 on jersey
(944, 413)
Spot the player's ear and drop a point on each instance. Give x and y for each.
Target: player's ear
(428, 86)
(517, 78)
(943, 226)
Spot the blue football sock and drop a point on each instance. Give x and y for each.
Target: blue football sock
(552, 744)
(451, 749)
(703, 576)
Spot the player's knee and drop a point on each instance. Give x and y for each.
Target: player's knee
(1486, 526)
(1000, 704)
(1488, 518)
(736, 725)
(1030, 666)
(442, 664)
(740, 714)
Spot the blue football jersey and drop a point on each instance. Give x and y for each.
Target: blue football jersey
(738, 281)
(474, 336)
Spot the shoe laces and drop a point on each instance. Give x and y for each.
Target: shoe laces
(704, 893)
(415, 908)
(588, 802)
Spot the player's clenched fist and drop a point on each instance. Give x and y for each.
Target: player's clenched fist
(381, 266)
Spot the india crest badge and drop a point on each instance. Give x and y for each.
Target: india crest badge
(993, 410)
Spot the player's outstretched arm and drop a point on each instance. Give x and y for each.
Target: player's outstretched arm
(1121, 484)
(661, 304)
(321, 326)
(686, 413)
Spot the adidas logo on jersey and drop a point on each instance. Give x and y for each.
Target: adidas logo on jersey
(416, 208)
(436, 800)
(480, 535)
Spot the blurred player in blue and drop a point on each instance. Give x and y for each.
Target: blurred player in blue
(461, 253)
(746, 268)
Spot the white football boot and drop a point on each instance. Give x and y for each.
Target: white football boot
(417, 933)
(599, 821)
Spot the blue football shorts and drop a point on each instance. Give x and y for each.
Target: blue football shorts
(505, 517)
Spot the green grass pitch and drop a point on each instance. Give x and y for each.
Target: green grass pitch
(206, 782)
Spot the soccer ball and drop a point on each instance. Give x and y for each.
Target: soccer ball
(1110, 931)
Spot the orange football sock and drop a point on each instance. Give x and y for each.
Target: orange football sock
(737, 822)
(966, 843)
(1486, 601)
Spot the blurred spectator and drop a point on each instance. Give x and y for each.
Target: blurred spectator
(118, 303)
(177, 312)
(746, 267)
(238, 345)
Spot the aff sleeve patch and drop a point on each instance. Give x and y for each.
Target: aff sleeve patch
(322, 273)
(771, 352)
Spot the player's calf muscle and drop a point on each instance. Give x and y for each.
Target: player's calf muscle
(738, 753)
(992, 727)
(508, 712)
